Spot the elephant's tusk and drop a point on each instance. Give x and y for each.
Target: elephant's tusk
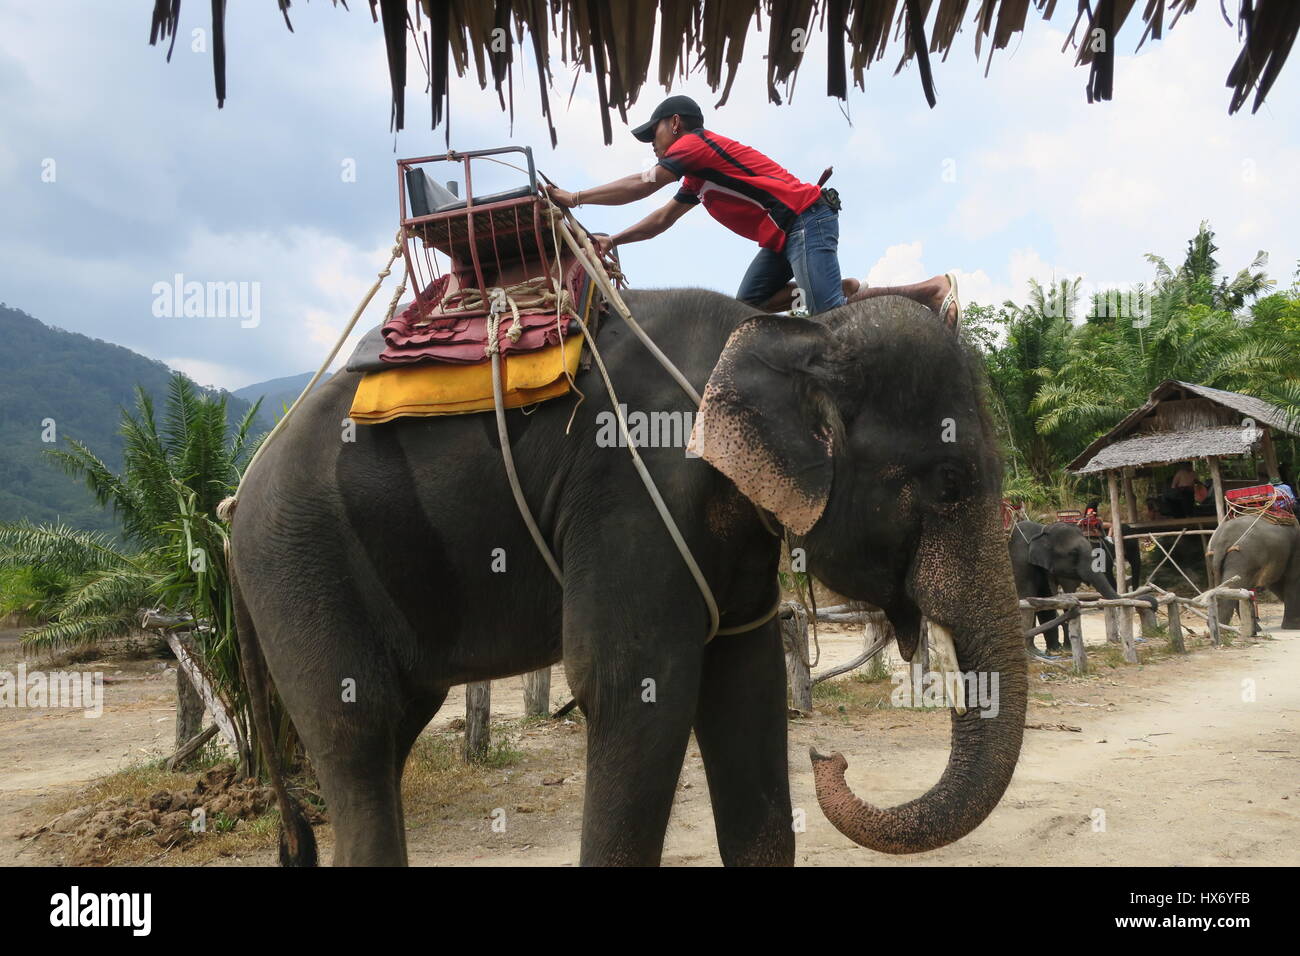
(946, 652)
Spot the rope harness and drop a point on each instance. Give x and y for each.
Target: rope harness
(529, 294)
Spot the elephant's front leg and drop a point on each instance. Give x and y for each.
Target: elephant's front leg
(741, 725)
(634, 666)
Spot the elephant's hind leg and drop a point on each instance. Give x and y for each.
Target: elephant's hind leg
(358, 716)
(741, 726)
(361, 775)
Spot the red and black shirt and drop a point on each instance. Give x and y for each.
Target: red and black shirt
(740, 187)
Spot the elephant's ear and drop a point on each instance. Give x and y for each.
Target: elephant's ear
(766, 423)
(1040, 550)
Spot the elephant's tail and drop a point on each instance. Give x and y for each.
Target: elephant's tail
(297, 841)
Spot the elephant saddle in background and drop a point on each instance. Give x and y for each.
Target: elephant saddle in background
(1275, 503)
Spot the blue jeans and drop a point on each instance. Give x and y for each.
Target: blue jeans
(810, 257)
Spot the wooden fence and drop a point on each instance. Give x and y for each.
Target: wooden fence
(877, 631)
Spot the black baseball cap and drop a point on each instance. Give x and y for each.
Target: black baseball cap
(674, 105)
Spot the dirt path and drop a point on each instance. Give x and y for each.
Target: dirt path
(1171, 766)
(47, 752)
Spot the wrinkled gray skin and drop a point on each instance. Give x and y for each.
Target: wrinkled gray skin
(1260, 555)
(372, 562)
(1044, 557)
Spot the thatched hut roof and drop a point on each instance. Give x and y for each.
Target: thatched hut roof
(613, 41)
(1181, 421)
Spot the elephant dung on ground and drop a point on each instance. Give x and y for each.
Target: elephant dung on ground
(373, 574)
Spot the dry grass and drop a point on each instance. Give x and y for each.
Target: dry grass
(437, 786)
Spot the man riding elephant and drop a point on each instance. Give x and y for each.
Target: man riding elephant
(795, 223)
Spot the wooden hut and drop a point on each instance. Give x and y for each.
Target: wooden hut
(1181, 422)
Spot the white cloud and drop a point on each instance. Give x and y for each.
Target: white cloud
(153, 180)
(901, 264)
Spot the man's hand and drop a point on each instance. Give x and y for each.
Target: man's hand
(561, 197)
(604, 244)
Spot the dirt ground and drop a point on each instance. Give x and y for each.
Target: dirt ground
(1173, 763)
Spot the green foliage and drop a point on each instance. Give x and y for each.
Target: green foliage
(176, 470)
(1059, 378)
(80, 584)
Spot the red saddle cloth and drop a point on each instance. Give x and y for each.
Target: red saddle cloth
(422, 332)
(413, 338)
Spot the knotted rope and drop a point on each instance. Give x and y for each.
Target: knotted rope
(227, 507)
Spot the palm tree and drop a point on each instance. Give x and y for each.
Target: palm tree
(1036, 345)
(174, 474)
(1193, 333)
(192, 448)
(84, 587)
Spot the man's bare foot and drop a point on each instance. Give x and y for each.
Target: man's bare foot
(850, 286)
(938, 294)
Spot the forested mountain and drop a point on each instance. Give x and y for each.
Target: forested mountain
(276, 394)
(54, 386)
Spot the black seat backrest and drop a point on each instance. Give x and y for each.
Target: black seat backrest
(428, 196)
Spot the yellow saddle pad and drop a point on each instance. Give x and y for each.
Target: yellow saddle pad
(439, 388)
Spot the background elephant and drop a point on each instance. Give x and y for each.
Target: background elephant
(1045, 557)
(1260, 555)
(371, 575)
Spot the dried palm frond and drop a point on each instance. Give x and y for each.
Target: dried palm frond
(612, 41)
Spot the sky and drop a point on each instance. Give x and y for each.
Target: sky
(118, 173)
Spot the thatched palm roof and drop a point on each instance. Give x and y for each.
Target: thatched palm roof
(1181, 421)
(613, 40)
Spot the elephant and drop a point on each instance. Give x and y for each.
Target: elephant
(1258, 554)
(1044, 557)
(372, 572)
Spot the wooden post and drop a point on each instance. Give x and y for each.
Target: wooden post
(1212, 619)
(1117, 534)
(1112, 624)
(921, 659)
(1123, 615)
(1150, 623)
(188, 670)
(794, 637)
(877, 631)
(1216, 473)
(1126, 636)
(1176, 629)
(537, 693)
(1074, 628)
(478, 715)
(189, 709)
(1270, 454)
(1246, 610)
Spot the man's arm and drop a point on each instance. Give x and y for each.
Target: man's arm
(618, 193)
(653, 224)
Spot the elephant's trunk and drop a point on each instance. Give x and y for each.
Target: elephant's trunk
(986, 738)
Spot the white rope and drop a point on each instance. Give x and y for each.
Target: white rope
(493, 349)
(591, 263)
(227, 507)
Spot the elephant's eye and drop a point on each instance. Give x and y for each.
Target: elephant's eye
(951, 485)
